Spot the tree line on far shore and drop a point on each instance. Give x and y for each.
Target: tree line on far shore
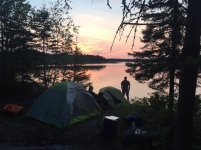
(33, 39)
(64, 58)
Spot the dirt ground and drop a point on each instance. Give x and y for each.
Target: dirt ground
(20, 131)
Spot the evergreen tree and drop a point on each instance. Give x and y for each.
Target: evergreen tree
(54, 27)
(163, 42)
(42, 26)
(61, 38)
(188, 77)
(63, 27)
(21, 42)
(77, 74)
(14, 37)
(188, 68)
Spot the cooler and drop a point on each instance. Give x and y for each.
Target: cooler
(110, 126)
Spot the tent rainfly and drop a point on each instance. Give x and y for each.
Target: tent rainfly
(63, 105)
(113, 96)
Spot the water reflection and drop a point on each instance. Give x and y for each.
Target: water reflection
(100, 75)
(76, 73)
(94, 67)
(112, 75)
(86, 67)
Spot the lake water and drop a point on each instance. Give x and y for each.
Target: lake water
(112, 75)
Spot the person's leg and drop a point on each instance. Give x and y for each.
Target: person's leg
(127, 95)
(123, 93)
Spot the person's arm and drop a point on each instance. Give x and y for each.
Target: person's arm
(129, 86)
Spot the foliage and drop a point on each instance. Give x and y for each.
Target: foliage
(155, 106)
(77, 74)
(54, 29)
(35, 44)
(163, 36)
(191, 49)
(15, 37)
(155, 115)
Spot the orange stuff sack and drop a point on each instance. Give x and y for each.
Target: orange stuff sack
(13, 109)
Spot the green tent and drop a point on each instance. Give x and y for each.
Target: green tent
(113, 96)
(64, 104)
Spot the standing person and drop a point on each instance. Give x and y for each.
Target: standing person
(125, 87)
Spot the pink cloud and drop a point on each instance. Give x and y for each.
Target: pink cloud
(101, 47)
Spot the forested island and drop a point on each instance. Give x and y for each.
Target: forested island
(63, 58)
(66, 58)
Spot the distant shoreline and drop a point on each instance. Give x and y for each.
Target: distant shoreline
(114, 60)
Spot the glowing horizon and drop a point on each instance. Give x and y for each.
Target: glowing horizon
(98, 24)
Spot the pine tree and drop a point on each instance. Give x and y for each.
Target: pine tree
(76, 73)
(163, 35)
(188, 77)
(14, 38)
(42, 26)
(54, 27)
(189, 61)
(62, 34)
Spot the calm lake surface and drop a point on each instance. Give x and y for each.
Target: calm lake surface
(112, 75)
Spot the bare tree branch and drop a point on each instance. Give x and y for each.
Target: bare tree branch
(108, 3)
(141, 24)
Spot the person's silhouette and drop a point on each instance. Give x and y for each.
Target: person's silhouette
(125, 87)
(92, 92)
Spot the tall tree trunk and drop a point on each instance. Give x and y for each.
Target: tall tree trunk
(188, 78)
(44, 66)
(171, 88)
(175, 36)
(2, 68)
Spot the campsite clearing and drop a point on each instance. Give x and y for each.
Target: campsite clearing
(20, 131)
(45, 123)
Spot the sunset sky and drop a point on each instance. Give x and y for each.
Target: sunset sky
(98, 24)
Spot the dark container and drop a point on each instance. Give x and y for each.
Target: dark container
(110, 126)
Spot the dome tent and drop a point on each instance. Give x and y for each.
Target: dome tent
(64, 104)
(113, 96)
